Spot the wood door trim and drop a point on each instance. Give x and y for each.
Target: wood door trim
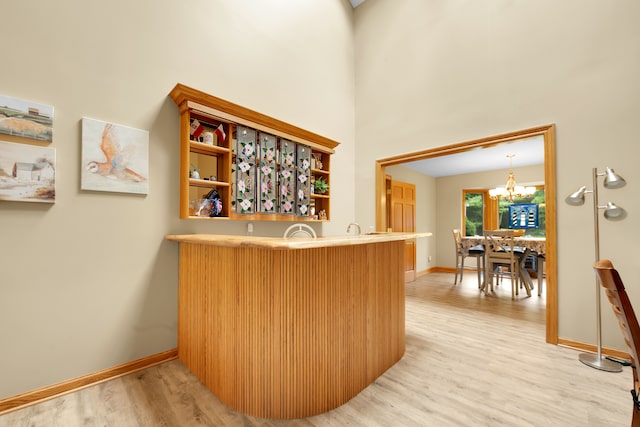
(548, 133)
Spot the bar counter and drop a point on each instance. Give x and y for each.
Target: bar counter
(290, 328)
(282, 243)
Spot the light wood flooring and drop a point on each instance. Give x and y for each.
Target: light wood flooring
(471, 360)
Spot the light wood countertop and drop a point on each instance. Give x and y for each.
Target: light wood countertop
(297, 243)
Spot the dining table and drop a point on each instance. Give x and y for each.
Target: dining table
(531, 245)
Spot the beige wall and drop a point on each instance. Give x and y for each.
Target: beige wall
(89, 283)
(435, 73)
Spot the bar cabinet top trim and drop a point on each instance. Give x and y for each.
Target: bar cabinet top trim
(287, 244)
(188, 98)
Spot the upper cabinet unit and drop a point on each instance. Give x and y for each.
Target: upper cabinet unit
(236, 163)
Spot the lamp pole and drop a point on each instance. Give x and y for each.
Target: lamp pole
(611, 212)
(590, 359)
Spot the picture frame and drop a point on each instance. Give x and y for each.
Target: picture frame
(27, 119)
(523, 215)
(115, 158)
(27, 173)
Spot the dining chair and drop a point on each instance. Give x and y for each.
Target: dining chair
(614, 289)
(540, 271)
(502, 259)
(461, 253)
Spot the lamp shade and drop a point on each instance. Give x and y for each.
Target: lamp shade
(613, 180)
(612, 211)
(577, 198)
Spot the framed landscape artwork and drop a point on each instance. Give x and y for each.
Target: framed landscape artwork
(26, 119)
(27, 173)
(114, 158)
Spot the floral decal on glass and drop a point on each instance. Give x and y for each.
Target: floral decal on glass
(245, 170)
(268, 173)
(303, 181)
(233, 180)
(287, 178)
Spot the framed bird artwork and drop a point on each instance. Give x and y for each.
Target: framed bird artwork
(114, 158)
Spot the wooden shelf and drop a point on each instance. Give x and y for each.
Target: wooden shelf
(207, 217)
(319, 172)
(206, 149)
(216, 161)
(205, 183)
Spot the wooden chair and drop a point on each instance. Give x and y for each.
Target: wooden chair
(617, 295)
(540, 271)
(461, 253)
(502, 260)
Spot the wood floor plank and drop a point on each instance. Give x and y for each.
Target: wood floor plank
(471, 360)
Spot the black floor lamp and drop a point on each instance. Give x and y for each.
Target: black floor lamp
(612, 212)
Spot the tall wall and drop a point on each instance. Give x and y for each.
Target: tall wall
(433, 73)
(89, 283)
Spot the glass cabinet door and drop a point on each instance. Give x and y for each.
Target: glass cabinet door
(245, 170)
(304, 180)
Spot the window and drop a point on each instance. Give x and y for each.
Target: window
(480, 212)
(473, 212)
(538, 198)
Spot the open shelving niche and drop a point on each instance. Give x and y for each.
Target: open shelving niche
(216, 163)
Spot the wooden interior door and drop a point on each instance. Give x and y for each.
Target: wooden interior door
(403, 218)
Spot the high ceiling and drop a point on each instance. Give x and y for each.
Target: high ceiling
(528, 152)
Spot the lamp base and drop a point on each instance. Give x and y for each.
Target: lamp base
(594, 361)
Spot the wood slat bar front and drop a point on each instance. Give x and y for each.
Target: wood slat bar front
(290, 333)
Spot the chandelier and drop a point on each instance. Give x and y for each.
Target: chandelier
(511, 189)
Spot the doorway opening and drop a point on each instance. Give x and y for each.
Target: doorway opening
(547, 132)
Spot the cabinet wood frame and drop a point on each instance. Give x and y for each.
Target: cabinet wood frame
(192, 101)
